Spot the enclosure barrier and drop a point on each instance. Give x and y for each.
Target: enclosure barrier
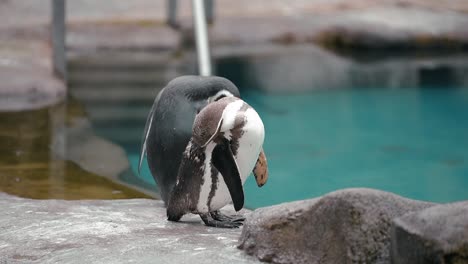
(200, 17)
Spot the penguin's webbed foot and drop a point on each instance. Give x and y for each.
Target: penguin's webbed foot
(217, 215)
(210, 221)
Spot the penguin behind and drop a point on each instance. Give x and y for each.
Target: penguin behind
(169, 124)
(226, 145)
(169, 127)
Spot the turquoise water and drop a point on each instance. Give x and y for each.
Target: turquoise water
(413, 142)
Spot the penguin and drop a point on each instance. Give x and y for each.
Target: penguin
(169, 126)
(225, 147)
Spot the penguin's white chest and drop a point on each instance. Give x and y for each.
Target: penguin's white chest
(214, 193)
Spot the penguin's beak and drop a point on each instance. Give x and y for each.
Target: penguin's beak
(260, 170)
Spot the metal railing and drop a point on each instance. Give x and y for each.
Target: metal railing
(201, 36)
(58, 33)
(200, 17)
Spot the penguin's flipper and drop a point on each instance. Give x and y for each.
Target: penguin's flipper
(146, 132)
(223, 159)
(260, 170)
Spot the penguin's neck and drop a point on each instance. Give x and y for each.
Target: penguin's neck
(209, 182)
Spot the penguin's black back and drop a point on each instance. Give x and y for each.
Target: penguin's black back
(171, 124)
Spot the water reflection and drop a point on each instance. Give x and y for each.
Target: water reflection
(42, 156)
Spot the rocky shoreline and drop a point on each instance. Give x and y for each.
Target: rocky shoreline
(358, 226)
(346, 226)
(108, 231)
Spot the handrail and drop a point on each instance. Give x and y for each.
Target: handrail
(58, 32)
(201, 36)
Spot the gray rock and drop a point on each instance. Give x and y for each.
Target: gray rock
(337, 23)
(314, 68)
(108, 231)
(361, 25)
(27, 79)
(24, 90)
(436, 235)
(346, 226)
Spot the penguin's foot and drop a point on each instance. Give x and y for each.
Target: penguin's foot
(217, 215)
(210, 221)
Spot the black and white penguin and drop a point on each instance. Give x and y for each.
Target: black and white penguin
(225, 147)
(169, 127)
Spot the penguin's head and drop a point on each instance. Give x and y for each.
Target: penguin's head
(208, 124)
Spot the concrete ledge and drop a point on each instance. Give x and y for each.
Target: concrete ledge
(26, 73)
(117, 231)
(25, 89)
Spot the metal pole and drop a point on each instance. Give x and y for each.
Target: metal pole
(201, 35)
(209, 11)
(58, 38)
(172, 13)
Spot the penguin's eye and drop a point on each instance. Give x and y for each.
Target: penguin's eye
(219, 97)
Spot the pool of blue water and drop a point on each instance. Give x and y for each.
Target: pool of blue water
(413, 142)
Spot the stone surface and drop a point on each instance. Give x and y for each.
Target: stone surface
(117, 231)
(151, 35)
(376, 27)
(27, 80)
(313, 68)
(435, 235)
(346, 226)
(23, 89)
(337, 23)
